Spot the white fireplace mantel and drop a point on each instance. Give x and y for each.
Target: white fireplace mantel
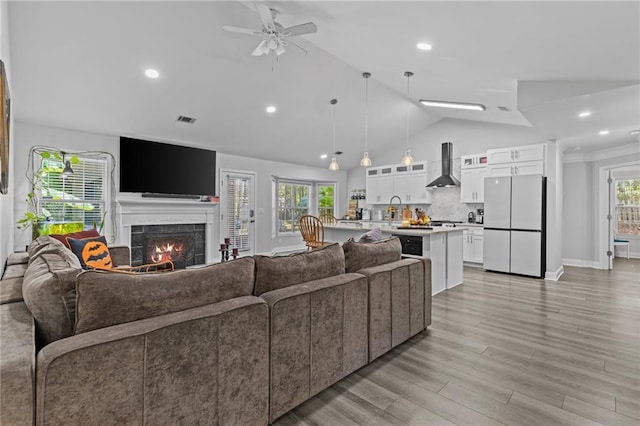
(139, 211)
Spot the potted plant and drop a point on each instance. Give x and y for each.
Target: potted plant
(36, 217)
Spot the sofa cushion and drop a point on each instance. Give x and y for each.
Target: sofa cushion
(41, 243)
(92, 252)
(364, 255)
(88, 233)
(274, 272)
(106, 298)
(48, 289)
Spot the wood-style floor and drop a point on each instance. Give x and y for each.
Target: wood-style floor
(505, 350)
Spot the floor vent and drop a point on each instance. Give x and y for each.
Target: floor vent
(185, 119)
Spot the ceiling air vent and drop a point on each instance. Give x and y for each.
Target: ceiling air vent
(503, 108)
(185, 119)
(338, 153)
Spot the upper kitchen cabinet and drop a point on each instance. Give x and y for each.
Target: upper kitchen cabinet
(521, 160)
(379, 184)
(407, 182)
(474, 170)
(410, 183)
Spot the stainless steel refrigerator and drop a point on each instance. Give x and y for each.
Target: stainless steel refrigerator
(514, 224)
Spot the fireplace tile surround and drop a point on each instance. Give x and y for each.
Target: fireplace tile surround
(178, 217)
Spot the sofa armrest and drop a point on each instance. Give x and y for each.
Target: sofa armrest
(120, 254)
(17, 360)
(11, 290)
(206, 365)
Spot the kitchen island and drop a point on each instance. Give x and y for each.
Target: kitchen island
(443, 245)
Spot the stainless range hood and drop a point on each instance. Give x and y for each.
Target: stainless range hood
(447, 179)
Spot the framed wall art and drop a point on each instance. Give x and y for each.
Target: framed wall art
(5, 115)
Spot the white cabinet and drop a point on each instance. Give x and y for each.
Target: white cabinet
(473, 172)
(410, 184)
(407, 182)
(379, 184)
(513, 161)
(438, 255)
(472, 245)
(454, 259)
(515, 169)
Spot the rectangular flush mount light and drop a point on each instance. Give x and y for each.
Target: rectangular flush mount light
(454, 105)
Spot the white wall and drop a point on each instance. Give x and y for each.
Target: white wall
(579, 231)
(28, 135)
(6, 201)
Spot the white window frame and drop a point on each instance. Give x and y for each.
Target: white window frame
(312, 207)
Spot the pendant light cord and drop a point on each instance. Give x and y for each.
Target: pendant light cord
(334, 102)
(366, 114)
(408, 74)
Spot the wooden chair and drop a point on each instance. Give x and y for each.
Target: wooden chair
(312, 231)
(328, 219)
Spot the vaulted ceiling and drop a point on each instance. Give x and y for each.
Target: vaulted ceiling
(80, 65)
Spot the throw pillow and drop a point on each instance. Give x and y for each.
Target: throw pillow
(88, 233)
(93, 253)
(371, 236)
(364, 255)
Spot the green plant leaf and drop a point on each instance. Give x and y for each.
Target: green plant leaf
(45, 155)
(74, 160)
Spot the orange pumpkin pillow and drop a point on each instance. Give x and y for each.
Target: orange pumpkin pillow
(93, 253)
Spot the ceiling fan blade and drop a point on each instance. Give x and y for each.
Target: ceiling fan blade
(241, 30)
(265, 16)
(299, 47)
(302, 29)
(260, 50)
(280, 49)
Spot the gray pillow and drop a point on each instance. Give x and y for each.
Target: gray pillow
(358, 256)
(371, 236)
(275, 272)
(106, 298)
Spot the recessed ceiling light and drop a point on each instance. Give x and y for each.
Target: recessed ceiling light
(323, 156)
(151, 73)
(271, 109)
(603, 132)
(423, 46)
(584, 114)
(454, 105)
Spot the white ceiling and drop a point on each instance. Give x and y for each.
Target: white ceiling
(79, 65)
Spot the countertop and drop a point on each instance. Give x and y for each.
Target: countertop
(364, 226)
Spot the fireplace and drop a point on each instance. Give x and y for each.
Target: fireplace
(182, 244)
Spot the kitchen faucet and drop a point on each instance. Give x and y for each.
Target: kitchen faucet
(391, 205)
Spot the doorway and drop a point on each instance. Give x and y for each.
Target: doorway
(237, 210)
(619, 205)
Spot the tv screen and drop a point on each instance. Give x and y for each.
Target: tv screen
(160, 168)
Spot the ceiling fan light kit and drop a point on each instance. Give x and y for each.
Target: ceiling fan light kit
(276, 37)
(454, 105)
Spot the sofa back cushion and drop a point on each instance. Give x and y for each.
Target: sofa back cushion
(106, 298)
(41, 243)
(364, 255)
(275, 272)
(48, 289)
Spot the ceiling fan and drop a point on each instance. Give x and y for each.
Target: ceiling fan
(276, 37)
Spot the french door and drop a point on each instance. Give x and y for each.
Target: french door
(237, 210)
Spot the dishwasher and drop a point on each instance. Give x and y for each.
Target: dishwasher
(411, 244)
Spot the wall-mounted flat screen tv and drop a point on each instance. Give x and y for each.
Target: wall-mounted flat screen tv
(165, 169)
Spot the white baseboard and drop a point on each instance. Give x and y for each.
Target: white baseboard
(554, 275)
(581, 263)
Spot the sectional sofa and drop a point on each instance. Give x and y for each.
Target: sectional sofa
(241, 342)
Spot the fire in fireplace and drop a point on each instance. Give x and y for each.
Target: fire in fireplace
(184, 245)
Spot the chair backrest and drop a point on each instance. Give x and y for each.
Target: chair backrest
(328, 219)
(311, 229)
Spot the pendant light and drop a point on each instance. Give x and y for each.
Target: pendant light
(407, 160)
(366, 161)
(334, 163)
(67, 166)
